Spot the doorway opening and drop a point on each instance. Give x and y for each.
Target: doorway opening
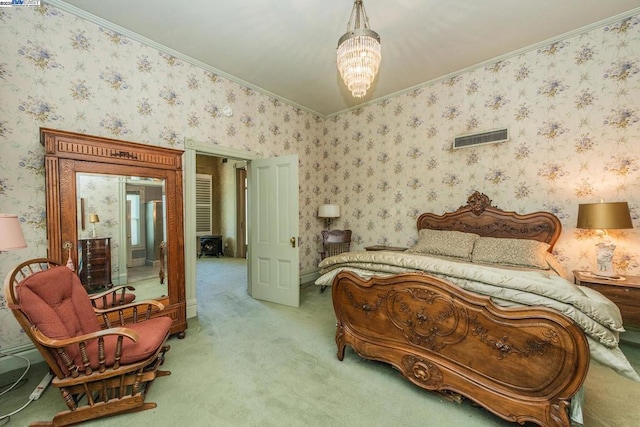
(272, 228)
(221, 206)
(221, 228)
(226, 214)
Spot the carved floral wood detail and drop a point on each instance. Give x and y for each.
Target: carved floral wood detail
(523, 364)
(478, 202)
(480, 217)
(423, 371)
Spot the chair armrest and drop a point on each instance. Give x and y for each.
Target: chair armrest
(128, 313)
(111, 291)
(75, 367)
(60, 343)
(147, 303)
(113, 297)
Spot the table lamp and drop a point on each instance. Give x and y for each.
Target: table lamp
(603, 216)
(11, 236)
(328, 212)
(93, 218)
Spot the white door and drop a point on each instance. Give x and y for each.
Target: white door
(273, 230)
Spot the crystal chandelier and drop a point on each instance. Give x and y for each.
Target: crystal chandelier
(359, 52)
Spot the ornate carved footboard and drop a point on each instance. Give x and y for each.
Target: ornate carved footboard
(522, 364)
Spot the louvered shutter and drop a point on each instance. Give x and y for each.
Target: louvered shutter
(203, 204)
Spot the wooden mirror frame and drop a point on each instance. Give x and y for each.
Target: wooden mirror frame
(67, 153)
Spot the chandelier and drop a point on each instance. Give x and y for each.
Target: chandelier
(359, 52)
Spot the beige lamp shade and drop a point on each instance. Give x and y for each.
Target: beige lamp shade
(602, 216)
(93, 218)
(11, 236)
(329, 211)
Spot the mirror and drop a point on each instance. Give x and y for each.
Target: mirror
(125, 217)
(118, 188)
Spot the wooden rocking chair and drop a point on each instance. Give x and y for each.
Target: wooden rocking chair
(100, 370)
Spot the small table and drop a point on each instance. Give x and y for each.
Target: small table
(385, 248)
(624, 292)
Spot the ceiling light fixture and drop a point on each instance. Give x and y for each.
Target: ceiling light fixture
(359, 52)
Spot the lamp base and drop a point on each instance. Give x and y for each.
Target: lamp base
(604, 256)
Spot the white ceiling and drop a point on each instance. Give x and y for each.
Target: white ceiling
(287, 47)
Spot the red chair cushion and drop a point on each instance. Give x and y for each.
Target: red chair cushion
(57, 304)
(55, 301)
(152, 334)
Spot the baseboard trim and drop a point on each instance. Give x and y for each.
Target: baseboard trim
(9, 363)
(309, 275)
(192, 308)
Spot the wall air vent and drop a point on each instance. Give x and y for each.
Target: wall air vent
(490, 137)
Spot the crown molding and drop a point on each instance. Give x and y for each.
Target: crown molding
(162, 48)
(503, 57)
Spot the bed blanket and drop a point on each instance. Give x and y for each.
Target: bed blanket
(595, 314)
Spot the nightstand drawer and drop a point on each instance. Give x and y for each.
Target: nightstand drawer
(630, 315)
(617, 294)
(627, 300)
(625, 294)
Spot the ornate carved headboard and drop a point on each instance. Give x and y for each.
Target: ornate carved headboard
(478, 216)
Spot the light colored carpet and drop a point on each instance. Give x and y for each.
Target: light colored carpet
(251, 363)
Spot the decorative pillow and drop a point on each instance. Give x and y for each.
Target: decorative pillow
(520, 252)
(444, 243)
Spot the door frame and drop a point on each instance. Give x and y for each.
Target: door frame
(241, 210)
(193, 147)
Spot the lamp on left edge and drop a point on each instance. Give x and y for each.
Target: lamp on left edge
(11, 236)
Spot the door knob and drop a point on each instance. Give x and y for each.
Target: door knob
(293, 242)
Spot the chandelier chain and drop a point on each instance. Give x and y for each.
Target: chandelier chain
(360, 16)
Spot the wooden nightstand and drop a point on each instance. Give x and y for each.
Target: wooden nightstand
(624, 293)
(385, 248)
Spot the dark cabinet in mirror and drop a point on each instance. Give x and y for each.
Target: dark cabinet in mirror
(115, 214)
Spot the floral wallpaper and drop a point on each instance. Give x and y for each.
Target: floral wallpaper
(63, 72)
(571, 108)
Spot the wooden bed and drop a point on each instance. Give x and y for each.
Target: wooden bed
(524, 364)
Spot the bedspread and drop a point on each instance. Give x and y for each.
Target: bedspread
(599, 318)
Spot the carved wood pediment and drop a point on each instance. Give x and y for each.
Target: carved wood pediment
(477, 202)
(480, 217)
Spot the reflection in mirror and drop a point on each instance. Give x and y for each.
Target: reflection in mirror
(122, 233)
